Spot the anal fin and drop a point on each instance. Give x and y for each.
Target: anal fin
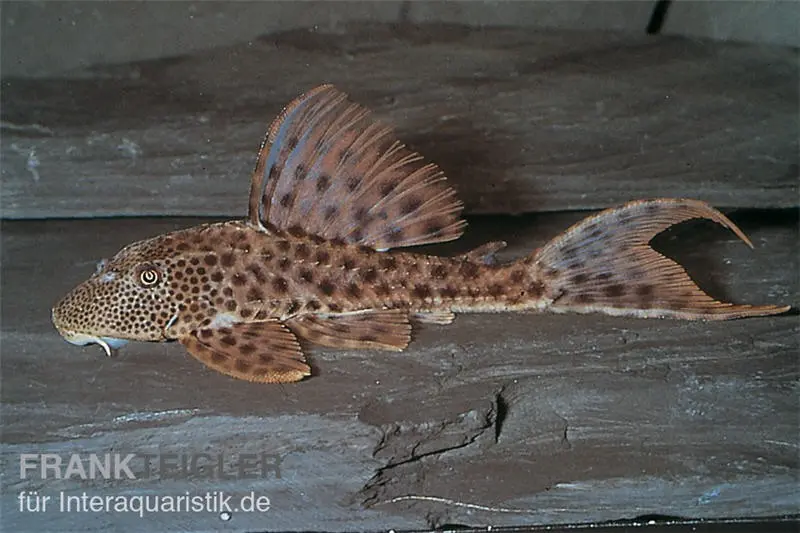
(265, 352)
(381, 329)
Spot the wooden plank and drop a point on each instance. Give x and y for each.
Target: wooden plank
(500, 420)
(521, 120)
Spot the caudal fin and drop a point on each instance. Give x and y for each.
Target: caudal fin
(605, 264)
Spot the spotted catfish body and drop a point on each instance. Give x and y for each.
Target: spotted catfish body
(333, 194)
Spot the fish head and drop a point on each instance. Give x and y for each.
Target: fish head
(129, 297)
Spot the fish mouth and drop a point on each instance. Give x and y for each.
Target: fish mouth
(109, 344)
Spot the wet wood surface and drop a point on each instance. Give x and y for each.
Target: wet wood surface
(520, 120)
(500, 419)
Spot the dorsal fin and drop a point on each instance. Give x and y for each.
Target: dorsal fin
(327, 167)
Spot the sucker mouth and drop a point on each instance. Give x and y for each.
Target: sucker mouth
(110, 344)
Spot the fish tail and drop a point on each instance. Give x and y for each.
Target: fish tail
(604, 264)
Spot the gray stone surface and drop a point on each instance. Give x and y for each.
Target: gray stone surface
(503, 419)
(520, 120)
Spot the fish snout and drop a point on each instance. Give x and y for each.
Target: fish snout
(71, 310)
(63, 315)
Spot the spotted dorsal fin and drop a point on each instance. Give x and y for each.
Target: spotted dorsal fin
(327, 167)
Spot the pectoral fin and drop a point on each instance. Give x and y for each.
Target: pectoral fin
(265, 352)
(384, 330)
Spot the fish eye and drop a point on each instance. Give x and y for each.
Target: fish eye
(148, 275)
(100, 266)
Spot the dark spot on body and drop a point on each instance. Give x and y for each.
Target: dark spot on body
(227, 259)
(369, 275)
(495, 290)
(448, 292)
(421, 291)
(300, 173)
(307, 276)
(230, 340)
(388, 263)
(517, 276)
(322, 257)
(327, 287)
(255, 294)
(536, 289)
(353, 290)
(469, 270)
(257, 273)
(280, 285)
(210, 259)
(439, 272)
(301, 251)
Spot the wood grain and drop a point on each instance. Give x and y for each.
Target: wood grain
(521, 120)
